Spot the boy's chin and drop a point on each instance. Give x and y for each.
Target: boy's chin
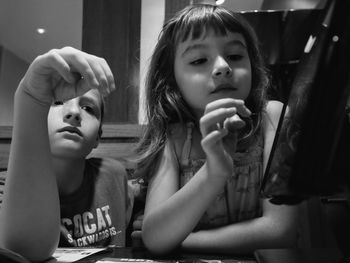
(70, 153)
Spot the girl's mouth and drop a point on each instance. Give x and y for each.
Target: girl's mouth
(223, 88)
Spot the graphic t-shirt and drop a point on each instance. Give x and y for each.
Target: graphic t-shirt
(98, 213)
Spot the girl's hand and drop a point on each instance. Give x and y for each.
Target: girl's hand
(219, 116)
(62, 74)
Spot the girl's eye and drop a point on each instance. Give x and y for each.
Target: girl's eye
(198, 61)
(235, 57)
(57, 102)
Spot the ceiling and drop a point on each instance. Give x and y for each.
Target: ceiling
(19, 20)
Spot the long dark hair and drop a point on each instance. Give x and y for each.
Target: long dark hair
(164, 102)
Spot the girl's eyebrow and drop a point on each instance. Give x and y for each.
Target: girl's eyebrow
(193, 47)
(234, 42)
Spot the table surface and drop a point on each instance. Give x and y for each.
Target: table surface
(141, 253)
(310, 255)
(318, 255)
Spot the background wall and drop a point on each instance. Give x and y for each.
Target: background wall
(10, 74)
(151, 25)
(20, 43)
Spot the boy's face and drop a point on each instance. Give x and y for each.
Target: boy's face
(212, 67)
(74, 125)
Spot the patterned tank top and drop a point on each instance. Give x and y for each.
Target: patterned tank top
(240, 199)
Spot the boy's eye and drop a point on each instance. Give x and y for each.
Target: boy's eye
(91, 110)
(198, 61)
(57, 102)
(88, 109)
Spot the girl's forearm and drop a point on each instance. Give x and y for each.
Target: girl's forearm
(166, 226)
(242, 238)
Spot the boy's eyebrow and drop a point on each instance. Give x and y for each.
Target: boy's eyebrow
(93, 100)
(235, 42)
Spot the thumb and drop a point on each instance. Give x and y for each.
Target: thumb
(234, 123)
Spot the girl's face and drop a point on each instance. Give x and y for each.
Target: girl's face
(212, 67)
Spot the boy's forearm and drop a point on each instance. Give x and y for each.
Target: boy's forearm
(30, 190)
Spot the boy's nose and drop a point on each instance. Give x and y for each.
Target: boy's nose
(222, 68)
(72, 113)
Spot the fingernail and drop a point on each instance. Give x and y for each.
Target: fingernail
(231, 110)
(247, 110)
(111, 86)
(95, 82)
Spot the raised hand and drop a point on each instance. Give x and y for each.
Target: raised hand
(62, 74)
(221, 117)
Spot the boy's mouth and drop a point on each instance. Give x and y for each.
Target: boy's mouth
(71, 129)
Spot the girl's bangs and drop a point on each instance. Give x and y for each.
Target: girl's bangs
(196, 26)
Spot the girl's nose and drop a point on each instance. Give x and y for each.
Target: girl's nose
(72, 112)
(222, 68)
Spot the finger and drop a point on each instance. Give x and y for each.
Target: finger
(64, 91)
(243, 111)
(55, 61)
(136, 235)
(213, 138)
(234, 123)
(137, 224)
(210, 120)
(78, 62)
(229, 103)
(81, 87)
(100, 74)
(109, 74)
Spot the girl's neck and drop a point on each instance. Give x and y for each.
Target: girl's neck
(69, 174)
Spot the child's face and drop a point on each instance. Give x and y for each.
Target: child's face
(212, 67)
(74, 125)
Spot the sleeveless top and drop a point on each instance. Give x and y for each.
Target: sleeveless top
(240, 199)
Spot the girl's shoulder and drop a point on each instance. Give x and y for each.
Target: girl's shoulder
(178, 134)
(273, 111)
(274, 108)
(177, 130)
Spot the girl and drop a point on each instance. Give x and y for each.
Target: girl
(208, 139)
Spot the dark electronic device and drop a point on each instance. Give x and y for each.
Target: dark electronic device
(312, 144)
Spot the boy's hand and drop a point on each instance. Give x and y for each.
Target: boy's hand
(62, 74)
(221, 117)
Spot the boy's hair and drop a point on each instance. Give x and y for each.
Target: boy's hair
(164, 102)
(103, 106)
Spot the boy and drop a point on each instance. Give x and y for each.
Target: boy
(53, 194)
